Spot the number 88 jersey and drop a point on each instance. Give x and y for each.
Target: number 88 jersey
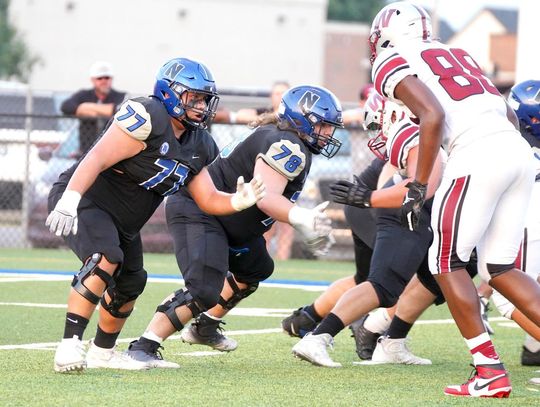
(473, 105)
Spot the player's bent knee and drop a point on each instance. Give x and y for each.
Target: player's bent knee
(386, 298)
(124, 291)
(207, 297)
(89, 269)
(238, 293)
(180, 298)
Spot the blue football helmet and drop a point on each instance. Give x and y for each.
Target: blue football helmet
(303, 107)
(181, 75)
(524, 98)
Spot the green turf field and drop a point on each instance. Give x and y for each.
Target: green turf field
(261, 372)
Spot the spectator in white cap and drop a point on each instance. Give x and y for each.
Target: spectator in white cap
(94, 106)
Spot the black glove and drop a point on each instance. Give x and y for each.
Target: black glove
(412, 204)
(347, 193)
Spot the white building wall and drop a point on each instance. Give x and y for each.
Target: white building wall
(475, 38)
(528, 57)
(245, 43)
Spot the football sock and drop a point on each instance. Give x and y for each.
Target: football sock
(378, 321)
(104, 339)
(145, 343)
(531, 344)
(310, 309)
(398, 328)
(331, 324)
(149, 335)
(482, 350)
(74, 326)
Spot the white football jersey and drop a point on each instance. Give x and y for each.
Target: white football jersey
(474, 107)
(401, 137)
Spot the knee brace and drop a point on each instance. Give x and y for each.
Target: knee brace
(505, 307)
(90, 268)
(123, 292)
(181, 297)
(238, 293)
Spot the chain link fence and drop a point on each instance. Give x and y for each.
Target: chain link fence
(37, 144)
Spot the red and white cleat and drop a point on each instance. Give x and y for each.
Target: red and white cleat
(486, 381)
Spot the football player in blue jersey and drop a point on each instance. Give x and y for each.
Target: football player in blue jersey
(150, 149)
(224, 258)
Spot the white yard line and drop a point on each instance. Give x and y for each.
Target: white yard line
(53, 345)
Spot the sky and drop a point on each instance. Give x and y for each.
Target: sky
(459, 12)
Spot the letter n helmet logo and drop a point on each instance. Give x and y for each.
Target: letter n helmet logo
(173, 70)
(307, 101)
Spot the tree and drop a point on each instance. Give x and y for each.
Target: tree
(16, 61)
(354, 10)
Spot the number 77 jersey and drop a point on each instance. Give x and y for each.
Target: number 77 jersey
(473, 105)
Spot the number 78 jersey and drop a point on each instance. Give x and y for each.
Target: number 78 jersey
(474, 107)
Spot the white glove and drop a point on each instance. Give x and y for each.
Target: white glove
(321, 245)
(314, 225)
(247, 195)
(63, 219)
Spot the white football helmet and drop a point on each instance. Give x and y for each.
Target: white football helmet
(398, 22)
(379, 115)
(373, 118)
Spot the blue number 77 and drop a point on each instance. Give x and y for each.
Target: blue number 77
(286, 152)
(140, 120)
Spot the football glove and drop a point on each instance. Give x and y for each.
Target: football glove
(314, 226)
(347, 193)
(412, 204)
(247, 195)
(63, 219)
(320, 246)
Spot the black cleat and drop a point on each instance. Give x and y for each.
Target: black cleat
(529, 358)
(299, 323)
(365, 340)
(207, 331)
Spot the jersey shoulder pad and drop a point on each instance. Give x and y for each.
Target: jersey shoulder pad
(134, 119)
(389, 68)
(286, 157)
(402, 136)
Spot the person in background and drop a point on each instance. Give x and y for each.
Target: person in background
(94, 106)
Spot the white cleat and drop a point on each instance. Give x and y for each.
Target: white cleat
(70, 356)
(313, 348)
(395, 351)
(102, 358)
(535, 380)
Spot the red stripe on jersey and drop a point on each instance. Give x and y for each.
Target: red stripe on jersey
(424, 24)
(385, 69)
(397, 149)
(449, 223)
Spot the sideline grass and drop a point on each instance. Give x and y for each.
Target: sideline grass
(262, 372)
